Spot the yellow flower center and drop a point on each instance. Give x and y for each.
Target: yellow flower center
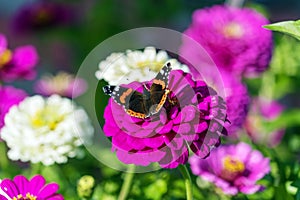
(5, 58)
(47, 117)
(232, 167)
(27, 197)
(42, 16)
(153, 65)
(233, 30)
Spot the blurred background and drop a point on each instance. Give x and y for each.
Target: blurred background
(65, 31)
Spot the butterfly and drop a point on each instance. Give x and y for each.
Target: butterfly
(146, 104)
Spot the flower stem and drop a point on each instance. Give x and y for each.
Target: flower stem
(127, 183)
(4, 162)
(235, 3)
(188, 181)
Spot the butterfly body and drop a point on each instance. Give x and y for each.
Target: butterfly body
(142, 104)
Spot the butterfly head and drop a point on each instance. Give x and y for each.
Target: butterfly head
(108, 89)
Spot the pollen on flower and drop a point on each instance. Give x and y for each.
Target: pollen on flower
(233, 165)
(5, 57)
(42, 118)
(155, 66)
(28, 197)
(233, 30)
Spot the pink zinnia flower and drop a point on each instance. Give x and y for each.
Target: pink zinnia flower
(36, 188)
(233, 37)
(41, 14)
(237, 102)
(9, 96)
(263, 111)
(63, 84)
(18, 63)
(195, 121)
(233, 168)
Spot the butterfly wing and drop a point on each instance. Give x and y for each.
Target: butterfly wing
(158, 90)
(131, 100)
(160, 82)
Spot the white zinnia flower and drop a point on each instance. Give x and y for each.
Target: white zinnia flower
(46, 130)
(120, 68)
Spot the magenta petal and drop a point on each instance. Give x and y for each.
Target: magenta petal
(181, 160)
(165, 129)
(48, 190)
(22, 183)
(3, 43)
(200, 149)
(154, 142)
(188, 113)
(183, 128)
(250, 189)
(136, 143)
(36, 183)
(199, 128)
(2, 197)
(25, 57)
(56, 197)
(9, 187)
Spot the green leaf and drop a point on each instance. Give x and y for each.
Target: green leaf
(298, 195)
(289, 27)
(296, 183)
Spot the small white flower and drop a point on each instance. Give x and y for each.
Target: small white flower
(123, 68)
(46, 130)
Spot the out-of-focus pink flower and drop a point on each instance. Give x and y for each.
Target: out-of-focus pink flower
(233, 37)
(233, 168)
(9, 96)
(35, 188)
(41, 14)
(196, 120)
(237, 102)
(63, 84)
(262, 112)
(18, 63)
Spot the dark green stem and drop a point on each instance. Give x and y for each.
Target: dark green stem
(127, 183)
(4, 162)
(188, 181)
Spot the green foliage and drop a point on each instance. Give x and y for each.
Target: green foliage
(289, 27)
(105, 18)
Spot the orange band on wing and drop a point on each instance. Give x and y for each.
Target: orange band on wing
(135, 114)
(160, 82)
(162, 101)
(124, 95)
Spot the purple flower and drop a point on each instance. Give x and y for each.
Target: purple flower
(233, 168)
(237, 102)
(233, 37)
(39, 15)
(196, 120)
(63, 83)
(263, 111)
(17, 64)
(9, 96)
(36, 188)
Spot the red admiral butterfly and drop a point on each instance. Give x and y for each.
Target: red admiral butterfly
(143, 105)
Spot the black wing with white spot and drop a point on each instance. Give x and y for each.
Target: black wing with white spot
(126, 97)
(162, 78)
